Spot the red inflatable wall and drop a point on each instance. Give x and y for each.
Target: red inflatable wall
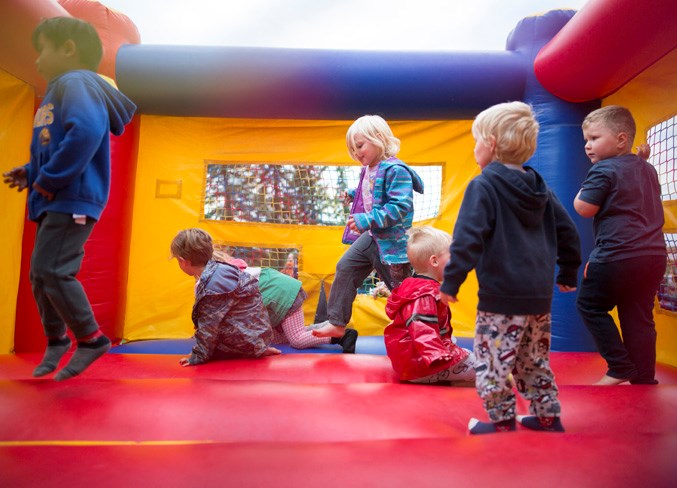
(104, 269)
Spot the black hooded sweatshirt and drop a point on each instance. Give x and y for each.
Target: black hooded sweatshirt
(512, 230)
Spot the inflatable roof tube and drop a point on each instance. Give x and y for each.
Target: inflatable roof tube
(605, 45)
(316, 84)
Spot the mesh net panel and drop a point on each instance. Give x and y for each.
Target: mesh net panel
(661, 138)
(667, 291)
(285, 260)
(296, 194)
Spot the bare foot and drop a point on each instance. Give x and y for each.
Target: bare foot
(271, 351)
(329, 330)
(610, 381)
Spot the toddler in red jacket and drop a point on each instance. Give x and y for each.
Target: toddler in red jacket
(419, 339)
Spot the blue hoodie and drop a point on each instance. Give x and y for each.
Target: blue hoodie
(70, 150)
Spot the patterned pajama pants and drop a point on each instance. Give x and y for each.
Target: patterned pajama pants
(459, 372)
(517, 344)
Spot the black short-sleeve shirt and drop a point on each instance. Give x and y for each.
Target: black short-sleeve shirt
(630, 219)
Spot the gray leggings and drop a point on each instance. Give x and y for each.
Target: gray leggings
(352, 269)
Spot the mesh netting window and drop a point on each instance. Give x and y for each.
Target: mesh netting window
(282, 259)
(661, 138)
(667, 291)
(302, 194)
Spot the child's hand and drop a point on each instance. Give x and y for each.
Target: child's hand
(184, 362)
(644, 151)
(347, 199)
(565, 288)
(352, 226)
(47, 194)
(380, 290)
(447, 299)
(16, 178)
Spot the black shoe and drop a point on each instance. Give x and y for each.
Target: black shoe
(347, 342)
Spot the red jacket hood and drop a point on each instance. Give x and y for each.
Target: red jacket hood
(411, 289)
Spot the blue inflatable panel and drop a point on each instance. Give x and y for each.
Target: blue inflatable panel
(365, 345)
(316, 84)
(561, 160)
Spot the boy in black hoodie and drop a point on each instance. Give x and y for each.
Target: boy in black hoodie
(512, 230)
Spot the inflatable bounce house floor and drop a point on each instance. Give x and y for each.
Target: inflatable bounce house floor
(308, 419)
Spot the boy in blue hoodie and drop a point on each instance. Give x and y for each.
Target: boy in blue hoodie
(68, 181)
(512, 230)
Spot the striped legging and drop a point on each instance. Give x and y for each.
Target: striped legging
(292, 331)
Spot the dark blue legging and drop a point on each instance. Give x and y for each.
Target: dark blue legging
(630, 285)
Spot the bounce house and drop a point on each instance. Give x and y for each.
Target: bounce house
(249, 144)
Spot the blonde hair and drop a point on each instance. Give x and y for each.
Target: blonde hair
(423, 242)
(615, 118)
(514, 128)
(194, 245)
(377, 131)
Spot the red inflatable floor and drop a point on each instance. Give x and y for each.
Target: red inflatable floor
(307, 420)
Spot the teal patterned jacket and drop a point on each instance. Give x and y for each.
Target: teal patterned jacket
(393, 209)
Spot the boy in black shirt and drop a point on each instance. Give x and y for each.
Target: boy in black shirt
(624, 270)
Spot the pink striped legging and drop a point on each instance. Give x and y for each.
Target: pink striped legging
(295, 333)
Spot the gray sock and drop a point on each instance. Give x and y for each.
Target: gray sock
(56, 348)
(85, 354)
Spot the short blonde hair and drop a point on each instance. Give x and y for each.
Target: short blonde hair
(513, 126)
(615, 118)
(423, 242)
(194, 245)
(377, 131)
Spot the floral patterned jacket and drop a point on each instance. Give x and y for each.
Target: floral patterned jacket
(229, 317)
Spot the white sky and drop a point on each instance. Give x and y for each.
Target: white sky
(431, 25)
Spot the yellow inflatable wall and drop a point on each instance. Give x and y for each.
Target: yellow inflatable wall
(16, 120)
(168, 198)
(651, 98)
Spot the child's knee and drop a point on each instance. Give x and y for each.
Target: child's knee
(44, 275)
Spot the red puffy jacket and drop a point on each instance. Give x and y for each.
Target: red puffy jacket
(418, 340)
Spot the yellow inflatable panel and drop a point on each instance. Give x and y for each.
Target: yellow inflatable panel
(16, 120)
(169, 197)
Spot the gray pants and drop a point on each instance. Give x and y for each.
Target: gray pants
(352, 269)
(57, 257)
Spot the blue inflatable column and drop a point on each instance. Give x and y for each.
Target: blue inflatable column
(561, 159)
